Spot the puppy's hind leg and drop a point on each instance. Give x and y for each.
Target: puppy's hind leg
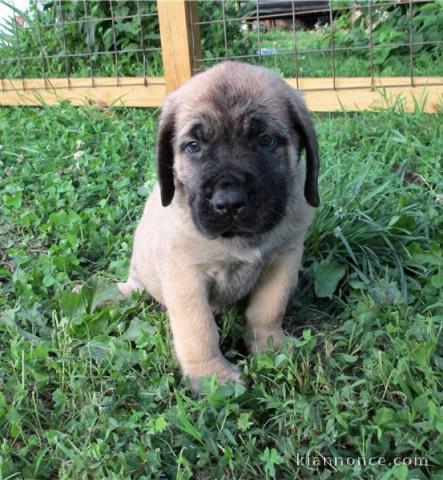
(133, 284)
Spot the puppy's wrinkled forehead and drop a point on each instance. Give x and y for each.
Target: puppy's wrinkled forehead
(231, 107)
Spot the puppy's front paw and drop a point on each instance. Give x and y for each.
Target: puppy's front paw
(223, 370)
(128, 287)
(260, 338)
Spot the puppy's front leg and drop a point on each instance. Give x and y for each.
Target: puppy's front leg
(269, 299)
(194, 331)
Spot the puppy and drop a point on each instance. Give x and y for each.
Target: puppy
(230, 212)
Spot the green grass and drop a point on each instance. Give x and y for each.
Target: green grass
(353, 63)
(89, 391)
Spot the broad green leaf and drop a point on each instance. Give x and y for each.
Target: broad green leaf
(327, 274)
(384, 416)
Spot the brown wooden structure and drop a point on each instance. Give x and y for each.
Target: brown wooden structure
(180, 41)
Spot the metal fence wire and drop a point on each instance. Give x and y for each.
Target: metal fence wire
(333, 39)
(102, 40)
(80, 39)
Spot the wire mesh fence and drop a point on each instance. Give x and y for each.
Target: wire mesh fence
(370, 38)
(81, 39)
(86, 43)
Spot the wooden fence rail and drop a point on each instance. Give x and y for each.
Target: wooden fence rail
(179, 40)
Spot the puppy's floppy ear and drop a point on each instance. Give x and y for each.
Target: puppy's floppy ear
(165, 153)
(302, 122)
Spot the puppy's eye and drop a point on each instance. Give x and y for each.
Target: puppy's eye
(269, 142)
(193, 147)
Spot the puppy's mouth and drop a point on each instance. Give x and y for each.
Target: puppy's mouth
(230, 231)
(252, 224)
(236, 231)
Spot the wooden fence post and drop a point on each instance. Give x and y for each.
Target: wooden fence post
(176, 35)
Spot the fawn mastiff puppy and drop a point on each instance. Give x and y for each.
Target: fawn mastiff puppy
(230, 211)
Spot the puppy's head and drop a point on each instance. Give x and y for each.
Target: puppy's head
(230, 139)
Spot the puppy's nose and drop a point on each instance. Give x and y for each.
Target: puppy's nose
(229, 200)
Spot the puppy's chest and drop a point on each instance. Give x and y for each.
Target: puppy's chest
(232, 279)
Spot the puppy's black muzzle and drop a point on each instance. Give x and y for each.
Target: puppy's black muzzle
(235, 203)
(229, 197)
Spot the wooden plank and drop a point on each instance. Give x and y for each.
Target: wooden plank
(307, 83)
(99, 82)
(429, 98)
(195, 42)
(175, 37)
(133, 93)
(355, 94)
